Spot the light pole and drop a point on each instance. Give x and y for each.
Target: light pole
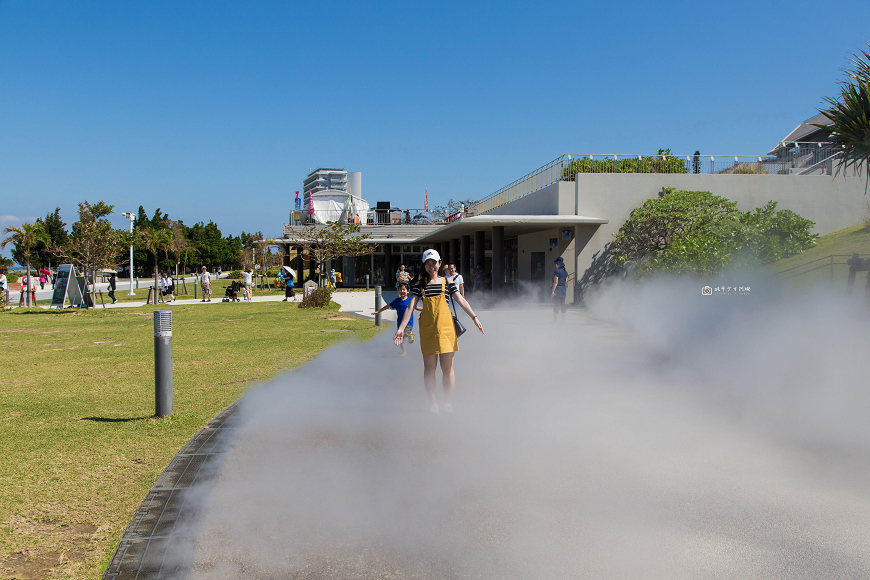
(130, 217)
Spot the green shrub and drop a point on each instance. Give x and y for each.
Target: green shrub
(271, 273)
(745, 169)
(701, 233)
(11, 278)
(320, 298)
(235, 275)
(771, 235)
(663, 162)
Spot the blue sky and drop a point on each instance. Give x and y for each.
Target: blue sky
(218, 110)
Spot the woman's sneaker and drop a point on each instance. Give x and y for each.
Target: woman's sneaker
(411, 336)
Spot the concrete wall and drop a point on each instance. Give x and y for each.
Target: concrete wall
(540, 242)
(832, 203)
(558, 198)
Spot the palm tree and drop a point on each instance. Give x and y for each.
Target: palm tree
(154, 240)
(26, 236)
(180, 245)
(850, 116)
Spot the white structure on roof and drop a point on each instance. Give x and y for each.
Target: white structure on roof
(332, 205)
(334, 195)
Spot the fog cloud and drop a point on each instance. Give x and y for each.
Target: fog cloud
(660, 434)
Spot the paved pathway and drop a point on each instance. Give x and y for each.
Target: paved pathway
(575, 451)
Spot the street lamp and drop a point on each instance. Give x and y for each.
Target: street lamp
(130, 217)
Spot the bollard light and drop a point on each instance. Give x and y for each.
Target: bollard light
(378, 304)
(162, 363)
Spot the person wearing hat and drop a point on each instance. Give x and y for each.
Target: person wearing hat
(288, 275)
(438, 340)
(560, 278)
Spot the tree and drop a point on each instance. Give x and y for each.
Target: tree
(154, 240)
(701, 233)
(40, 256)
(333, 240)
(180, 244)
(94, 243)
(850, 117)
(25, 237)
(453, 207)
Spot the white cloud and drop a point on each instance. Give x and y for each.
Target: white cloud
(15, 220)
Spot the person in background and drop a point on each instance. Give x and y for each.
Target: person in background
(456, 278)
(402, 275)
(112, 286)
(3, 284)
(164, 286)
(401, 304)
(287, 275)
(30, 286)
(438, 340)
(560, 277)
(205, 283)
(247, 279)
(41, 281)
(333, 279)
(478, 278)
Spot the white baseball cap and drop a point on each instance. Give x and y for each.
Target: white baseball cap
(431, 255)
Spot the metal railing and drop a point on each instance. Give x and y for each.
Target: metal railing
(828, 261)
(529, 183)
(402, 217)
(382, 217)
(801, 159)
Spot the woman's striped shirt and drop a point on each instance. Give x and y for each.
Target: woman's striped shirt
(435, 289)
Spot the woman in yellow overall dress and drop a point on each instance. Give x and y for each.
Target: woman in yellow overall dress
(438, 339)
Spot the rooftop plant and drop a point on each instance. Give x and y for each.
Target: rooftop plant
(662, 162)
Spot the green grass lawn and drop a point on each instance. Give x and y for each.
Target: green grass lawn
(844, 242)
(78, 442)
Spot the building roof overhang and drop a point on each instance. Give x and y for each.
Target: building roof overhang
(514, 225)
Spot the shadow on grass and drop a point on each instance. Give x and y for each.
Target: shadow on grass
(116, 419)
(36, 310)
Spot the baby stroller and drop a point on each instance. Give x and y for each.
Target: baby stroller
(232, 292)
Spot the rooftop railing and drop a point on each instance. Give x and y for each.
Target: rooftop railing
(380, 217)
(801, 159)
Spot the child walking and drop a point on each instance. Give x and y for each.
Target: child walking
(438, 340)
(400, 305)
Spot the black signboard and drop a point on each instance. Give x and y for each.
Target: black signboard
(84, 292)
(61, 283)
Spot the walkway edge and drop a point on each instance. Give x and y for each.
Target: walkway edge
(152, 540)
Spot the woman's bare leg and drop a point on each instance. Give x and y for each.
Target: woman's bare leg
(448, 379)
(429, 364)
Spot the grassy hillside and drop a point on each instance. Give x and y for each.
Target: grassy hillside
(842, 244)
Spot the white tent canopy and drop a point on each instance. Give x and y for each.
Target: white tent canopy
(338, 206)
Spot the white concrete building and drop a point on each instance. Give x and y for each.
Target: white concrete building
(573, 207)
(322, 179)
